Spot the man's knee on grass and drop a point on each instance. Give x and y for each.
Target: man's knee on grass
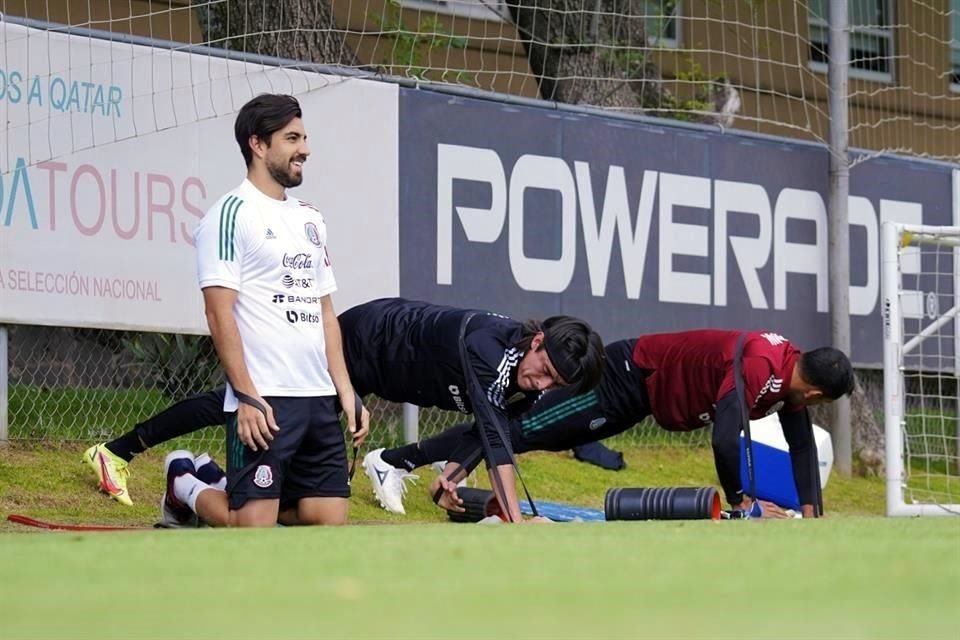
(322, 511)
(256, 513)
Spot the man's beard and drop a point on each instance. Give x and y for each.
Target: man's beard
(284, 176)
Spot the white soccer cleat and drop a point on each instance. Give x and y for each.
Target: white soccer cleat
(174, 514)
(389, 482)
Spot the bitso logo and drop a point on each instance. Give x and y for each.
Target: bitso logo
(294, 317)
(313, 234)
(457, 399)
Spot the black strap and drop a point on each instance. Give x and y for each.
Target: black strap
(357, 412)
(464, 466)
(481, 404)
(250, 400)
(744, 413)
(815, 468)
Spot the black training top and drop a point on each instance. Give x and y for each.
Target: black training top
(409, 351)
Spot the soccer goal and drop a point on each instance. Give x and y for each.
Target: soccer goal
(921, 366)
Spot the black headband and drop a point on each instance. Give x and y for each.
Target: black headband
(566, 365)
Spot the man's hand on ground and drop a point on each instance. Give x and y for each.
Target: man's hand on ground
(449, 499)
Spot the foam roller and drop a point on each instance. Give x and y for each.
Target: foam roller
(478, 504)
(662, 503)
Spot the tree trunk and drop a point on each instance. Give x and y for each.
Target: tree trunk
(561, 38)
(303, 30)
(596, 52)
(868, 437)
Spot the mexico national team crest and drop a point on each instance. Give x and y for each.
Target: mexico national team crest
(313, 234)
(263, 478)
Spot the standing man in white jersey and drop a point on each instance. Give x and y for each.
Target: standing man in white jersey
(281, 351)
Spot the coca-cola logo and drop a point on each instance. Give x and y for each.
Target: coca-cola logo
(298, 261)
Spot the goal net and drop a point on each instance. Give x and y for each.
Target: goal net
(921, 278)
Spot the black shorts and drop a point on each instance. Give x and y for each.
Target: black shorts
(306, 459)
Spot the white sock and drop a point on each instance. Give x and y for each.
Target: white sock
(188, 488)
(203, 459)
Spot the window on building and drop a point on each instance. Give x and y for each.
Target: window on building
(661, 22)
(661, 15)
(871, 37)
(955, 42)
(477, 9)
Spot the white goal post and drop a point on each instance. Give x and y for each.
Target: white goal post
(921, 366)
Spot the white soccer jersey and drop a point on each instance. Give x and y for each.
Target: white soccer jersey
(274, 254)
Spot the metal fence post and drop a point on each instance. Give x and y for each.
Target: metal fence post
(838, 223)
(411, 423)
(4, 386)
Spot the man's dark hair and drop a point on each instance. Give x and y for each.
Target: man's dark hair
(575, 349)
(262, 117)
(829, 370)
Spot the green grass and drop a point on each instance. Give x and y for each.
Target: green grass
(42, 412)
(841, 578)
(849, 575)
(47, 481)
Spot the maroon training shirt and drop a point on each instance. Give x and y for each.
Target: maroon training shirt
(691, 370)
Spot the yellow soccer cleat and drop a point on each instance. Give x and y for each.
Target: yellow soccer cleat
(111, 470)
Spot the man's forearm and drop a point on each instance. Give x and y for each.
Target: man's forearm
(333, 345)
(229, 346)
(726, 447)
(509, 501)
(727, 461)
(803, 451)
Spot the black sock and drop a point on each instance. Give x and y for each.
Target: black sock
(127, 446)
(407, 457)
(186, 416)
(435, 449)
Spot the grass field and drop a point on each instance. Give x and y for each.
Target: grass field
(850, 575)
(840, 578)
(47, 481)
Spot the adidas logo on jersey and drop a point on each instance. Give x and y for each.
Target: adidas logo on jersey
(774, 338)
(270, 235)
(774, 385)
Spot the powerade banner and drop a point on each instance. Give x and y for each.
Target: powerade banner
(642, 227)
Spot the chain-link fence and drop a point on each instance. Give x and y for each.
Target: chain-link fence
(91, 385)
